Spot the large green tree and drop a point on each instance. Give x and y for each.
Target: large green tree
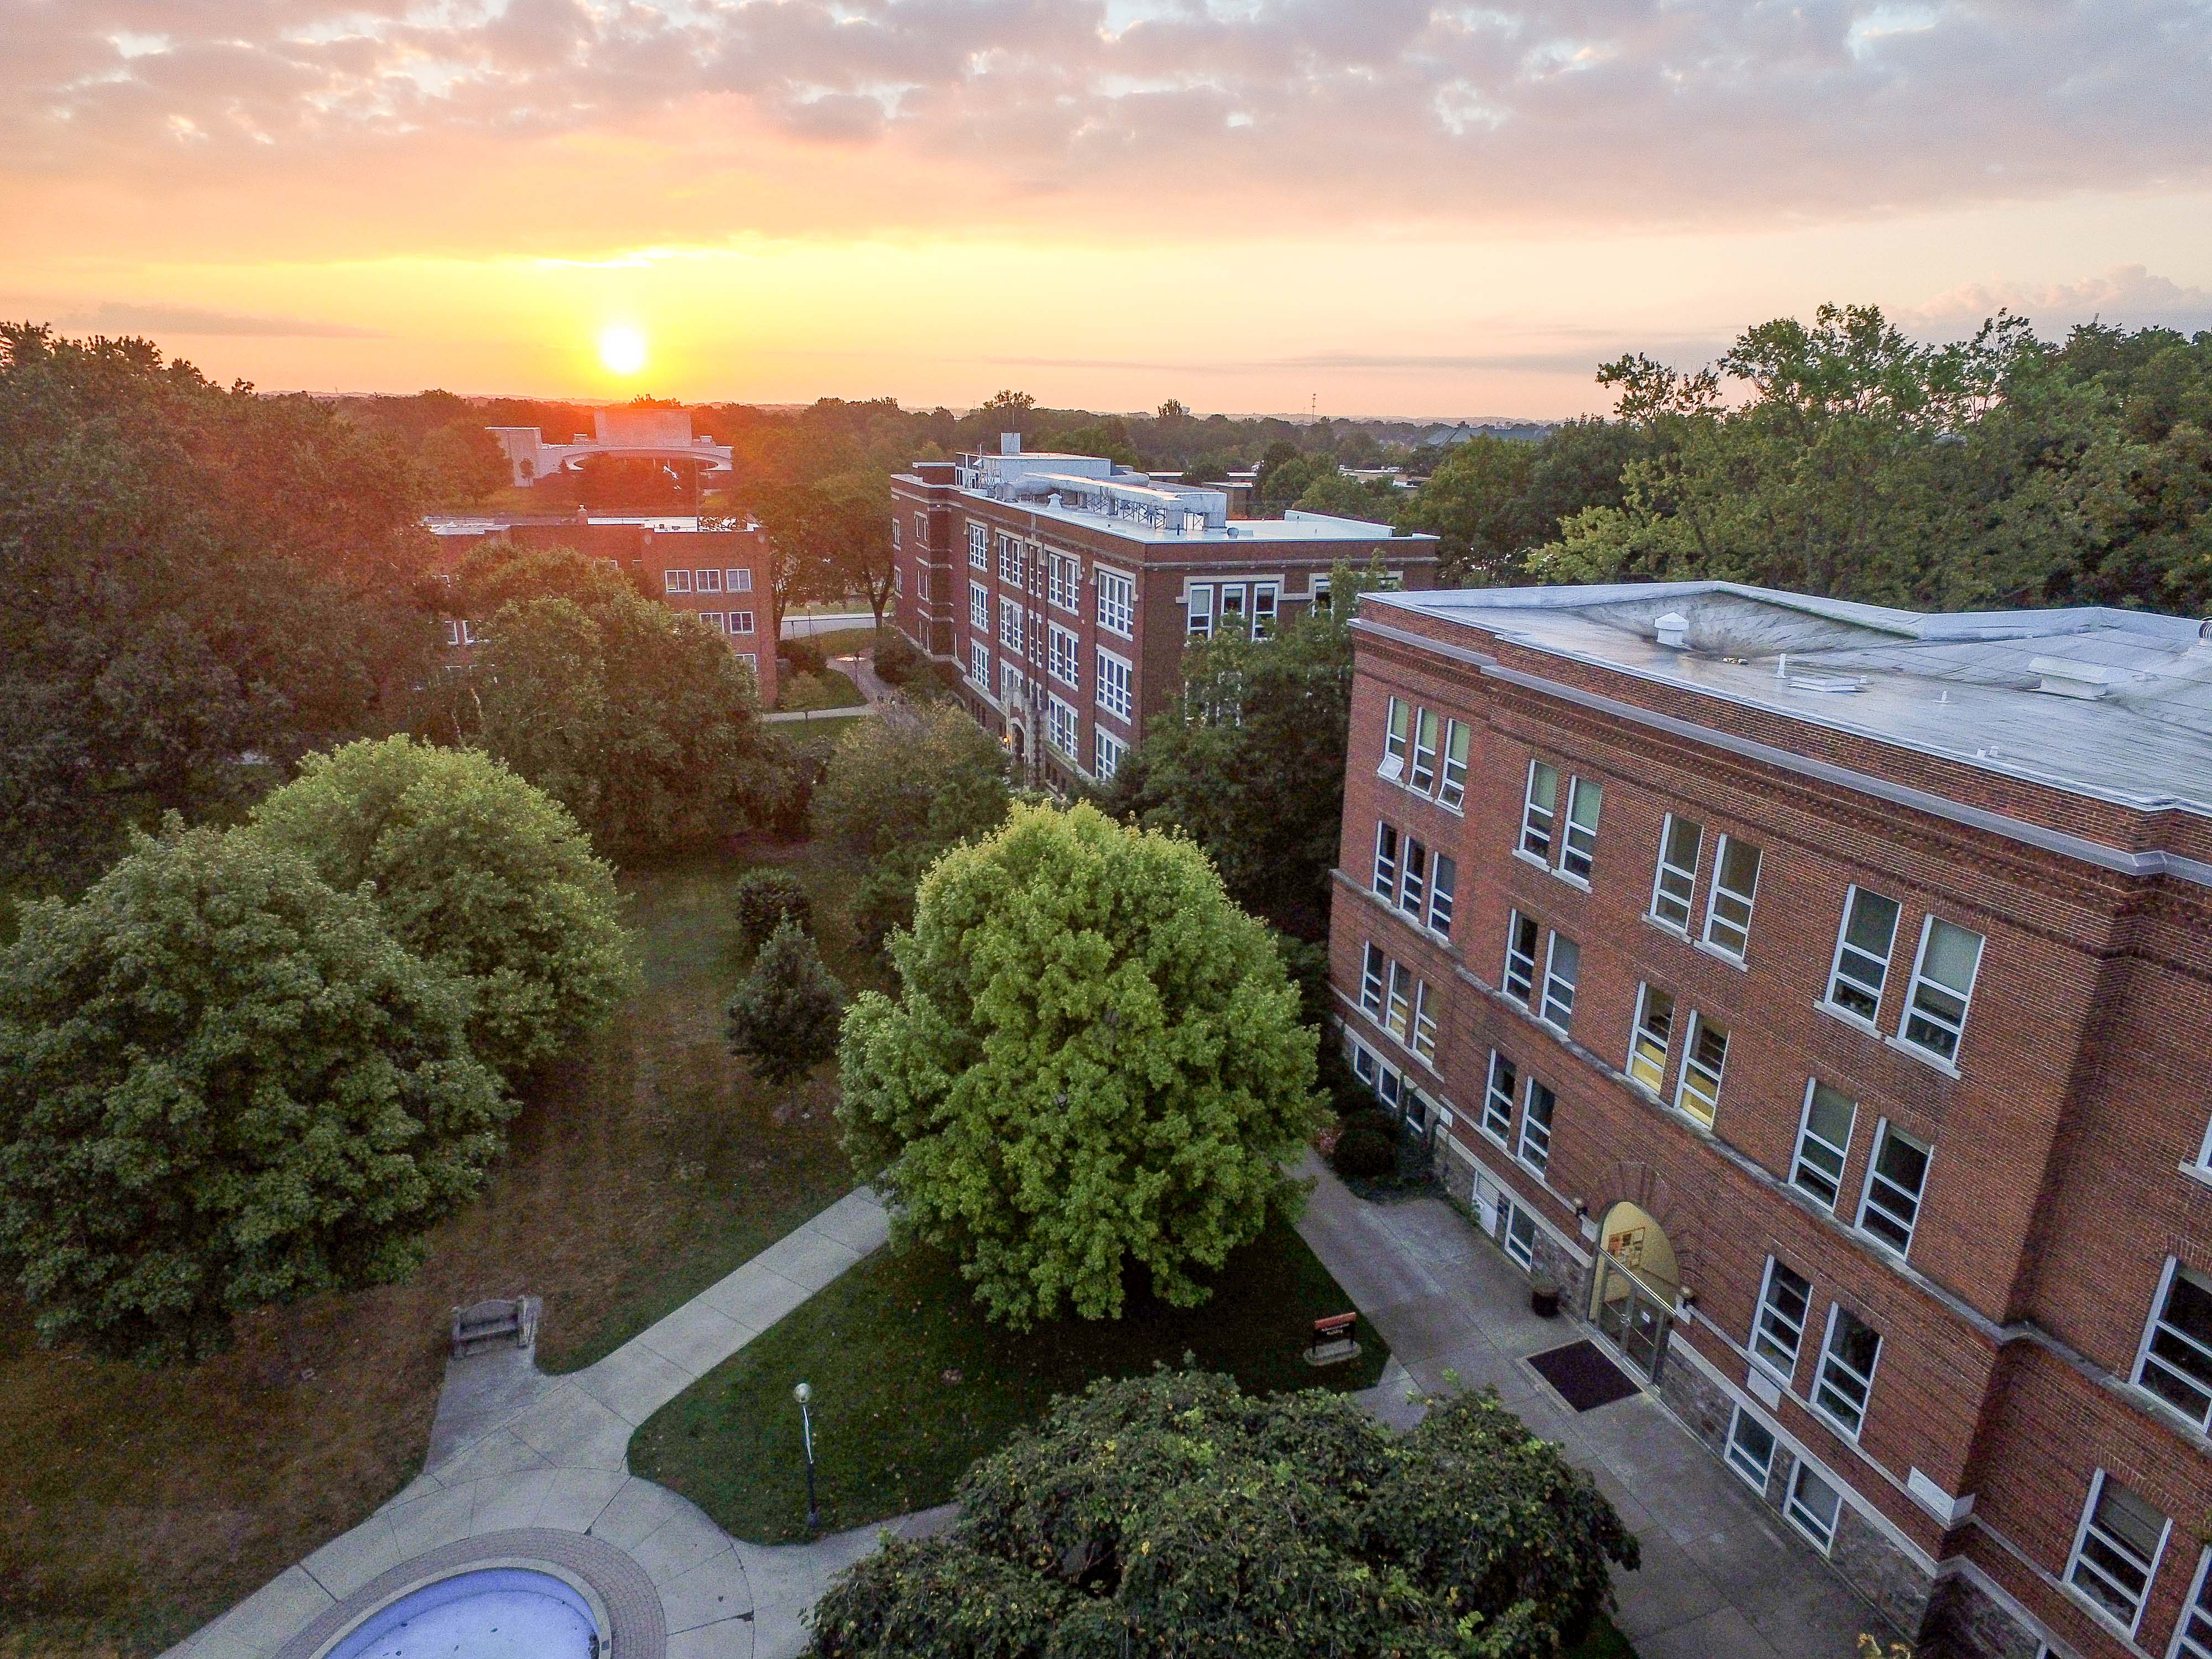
(1173, 1514)
(482, 875)
(223, 1084)
(1093, 1065)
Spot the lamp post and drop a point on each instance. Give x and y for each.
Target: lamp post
(802, 1394)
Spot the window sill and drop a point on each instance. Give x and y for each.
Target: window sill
(1497, 1140)
(1529, 858)
(1835, 1010)
(1719, 955)
(1835, 1425)
(2197, 1173)
(1580, 883)
(1934, 1062)
(1667, 927)
(2097, 1610)
(2165, 1410)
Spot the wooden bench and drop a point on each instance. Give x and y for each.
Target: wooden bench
(499, 1323)
(1336, 1340)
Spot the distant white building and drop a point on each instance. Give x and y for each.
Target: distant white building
(629, 434)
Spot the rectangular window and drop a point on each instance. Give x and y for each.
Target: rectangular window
(1063, 728)
(921, 531)
(1942, 986)
(1386, 860)
(979, 666)
(1728, 909)
(1063, 582)
(1266, 597)
(1423, 776)
(750, 659)
(741, 622)
(452, 631)
(709, 581)
(1823, 1141)
(676, 582)
(1815, 1506)
(1066, 662)
(2177, 1355)
(1561, 970)
(1198, 621)
(741, 582)
(2193, 1640)
(1372, 973)
(1778, 1329)
(1750, 1449)
(979, 607)
(1010, 561)
(1114, 685)
(1413, 884)
(1863, 948)
(1698, 1092)
(1107, 751)
(1117, 602)
(979, 547)
(1232, 602)
(1536, 1127)
(1520, 1237)
(1010, 684)
(1424, 1022)
(1654, 1035)
(1444, 881)
(1451, 789)
(1498, 1098)
(1584, 797)
(1845, 1378)
(1521, 937)
(1540, 811)
(1895, 1175)
(1398, 1014)
(1397, 737)
(1010, 624)
(716, 620)
(2117, 1550)
(1676, 877)
(895, 536)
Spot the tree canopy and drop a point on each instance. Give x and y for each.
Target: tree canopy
(484, 876)
(222, 1083)
(1094, 1065)
(1173, 1514)
(783, 1019)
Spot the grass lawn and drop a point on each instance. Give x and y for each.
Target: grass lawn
(841, 641)
(830, 689)
(135, 1506)
(911, 1384)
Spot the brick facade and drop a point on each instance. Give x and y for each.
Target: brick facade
(2065, 1146)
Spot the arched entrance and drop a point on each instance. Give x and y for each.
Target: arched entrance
(1636, 1285)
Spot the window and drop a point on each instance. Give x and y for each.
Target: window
(979, 607)
(1107, 751)
(715, 620)
(741, 622)
(1372, 969)
(1452, 790)
(1424, 1022)
(1444, 881)
(1895, 1176)
(1815, 1506)
(1584, 797)
(1363, 1061)
(1497, 1120)
(1823, 1141)
(1397, 737)
(741, 582)
(709, 581)
(1399, 1011)
(2177, 1354)
(452, 631)
(979, 547)
(1653, 1035)
(1540, 811)
(1114, 685)
(1265, 602)
(750, 659)
(1778, 1329)
(1698, 1092)
(1942, 985)
(1065, 659)
(1010, 561)
(1522, 935)
(1386, 860)
(1728, 909)
(1520, 1236)
(1010, 684)
(676, 582)
(1750, 1449)
(979, 666)
(921, 531)
(1423, 776)
(1863, 948)
(2116, 1552)
(1846, 1374)
(1117, 601)
(1536, 1127)
(1676, 879)
(1063, 580)
(2193, 1639)
(895, 535)
(1317, 591)
(1010, 624)
(1413, 886)
(1062, 727)
(1560, 972)
(1198, 621)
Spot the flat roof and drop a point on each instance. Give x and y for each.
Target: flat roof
(2109, 703)
(1293, 526)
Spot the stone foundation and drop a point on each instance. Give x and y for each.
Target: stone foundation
(1964, 1621)
(1700, 1401)
(1882, 1573)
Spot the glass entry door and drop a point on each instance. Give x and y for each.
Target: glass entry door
(1630, 1317)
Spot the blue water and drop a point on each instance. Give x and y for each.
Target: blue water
(500, 1613)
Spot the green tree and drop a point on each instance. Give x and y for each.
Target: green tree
(1173, 1514)
(783, 1019)
(1343, 496)
(1108, 439)
(461, 464)
(767, 898)
(918, 774)
(1094, 1063)
(484, 876)
(1477, 502)
(223, 1084)
(861, 558)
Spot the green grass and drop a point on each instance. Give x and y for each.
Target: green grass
(829, 690)
(840, 642)
(911, 1384)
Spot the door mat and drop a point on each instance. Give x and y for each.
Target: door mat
(1585, 1378)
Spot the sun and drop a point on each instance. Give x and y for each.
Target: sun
(621, 349)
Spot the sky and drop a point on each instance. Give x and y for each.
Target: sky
(1361, 207)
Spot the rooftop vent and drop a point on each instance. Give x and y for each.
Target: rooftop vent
(1837, 684)
(1672, 630)
(1010, 443)
(2063, 677)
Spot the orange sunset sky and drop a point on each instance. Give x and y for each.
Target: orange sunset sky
(1393, 208)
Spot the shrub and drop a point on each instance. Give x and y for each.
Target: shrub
(1365, 1152)
(802, 656)
(784, 1017)
(898, 660)
(765, 899)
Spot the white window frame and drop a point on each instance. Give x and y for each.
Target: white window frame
(1966, 999)
(1428, 731)
(1533, 1148)
(745, 626)
(1836, 975)
(1198, 610)
(1117, 600)
(979, 608)
(979, 546)
(707, 581)
(1715, 893)
(1424, 1039)
(1578, 840)
(1530, 812)
(1553, 979)
(1107, 751)
(751, 659)
(1067, 656)
(1663, 867)
(1413, 877)
(2196, 1644)
(1497, 1102)
(717, 620)
(979, 666)
(1780, 1320)
(1010, 624)
(1398, 1003)
(1639, 1037)
(1397, 737)
(921, 531)
(1820, 1533)
(1822, 1383)
(1385, 881)
(1011, 683)
(676, 582)
(1064, 727)
(739, 580)
(1266, 604)
(1443, 895)
(1115, 694)
(2146, 1357)
(1694, 1065)
(1758, 1473)
(1525, 960)
(2075, 1562)
(1010, 561)
(1451, 765)
(1522, 1253)
(1799, 1162)
(1374, 980)
(1064, 582)
(1884, 1129)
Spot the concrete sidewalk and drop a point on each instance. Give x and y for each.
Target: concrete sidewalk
(1721, 1578)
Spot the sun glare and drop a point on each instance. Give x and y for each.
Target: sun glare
(621, 349)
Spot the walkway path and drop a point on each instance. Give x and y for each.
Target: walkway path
(1721, 1578)
(514, 1451)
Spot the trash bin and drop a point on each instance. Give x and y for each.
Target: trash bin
(1543, 1298)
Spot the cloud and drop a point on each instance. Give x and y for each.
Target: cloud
(2125, 295)
(117, 317)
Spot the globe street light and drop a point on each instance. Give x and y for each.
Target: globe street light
(802, 1394)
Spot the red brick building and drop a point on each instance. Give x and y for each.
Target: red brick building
(1819, 995)
(720, 576)
(1064, 588)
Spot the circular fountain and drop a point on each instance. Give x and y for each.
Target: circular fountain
(495, 1613)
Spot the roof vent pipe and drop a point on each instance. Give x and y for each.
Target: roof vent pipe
(1674, 630)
